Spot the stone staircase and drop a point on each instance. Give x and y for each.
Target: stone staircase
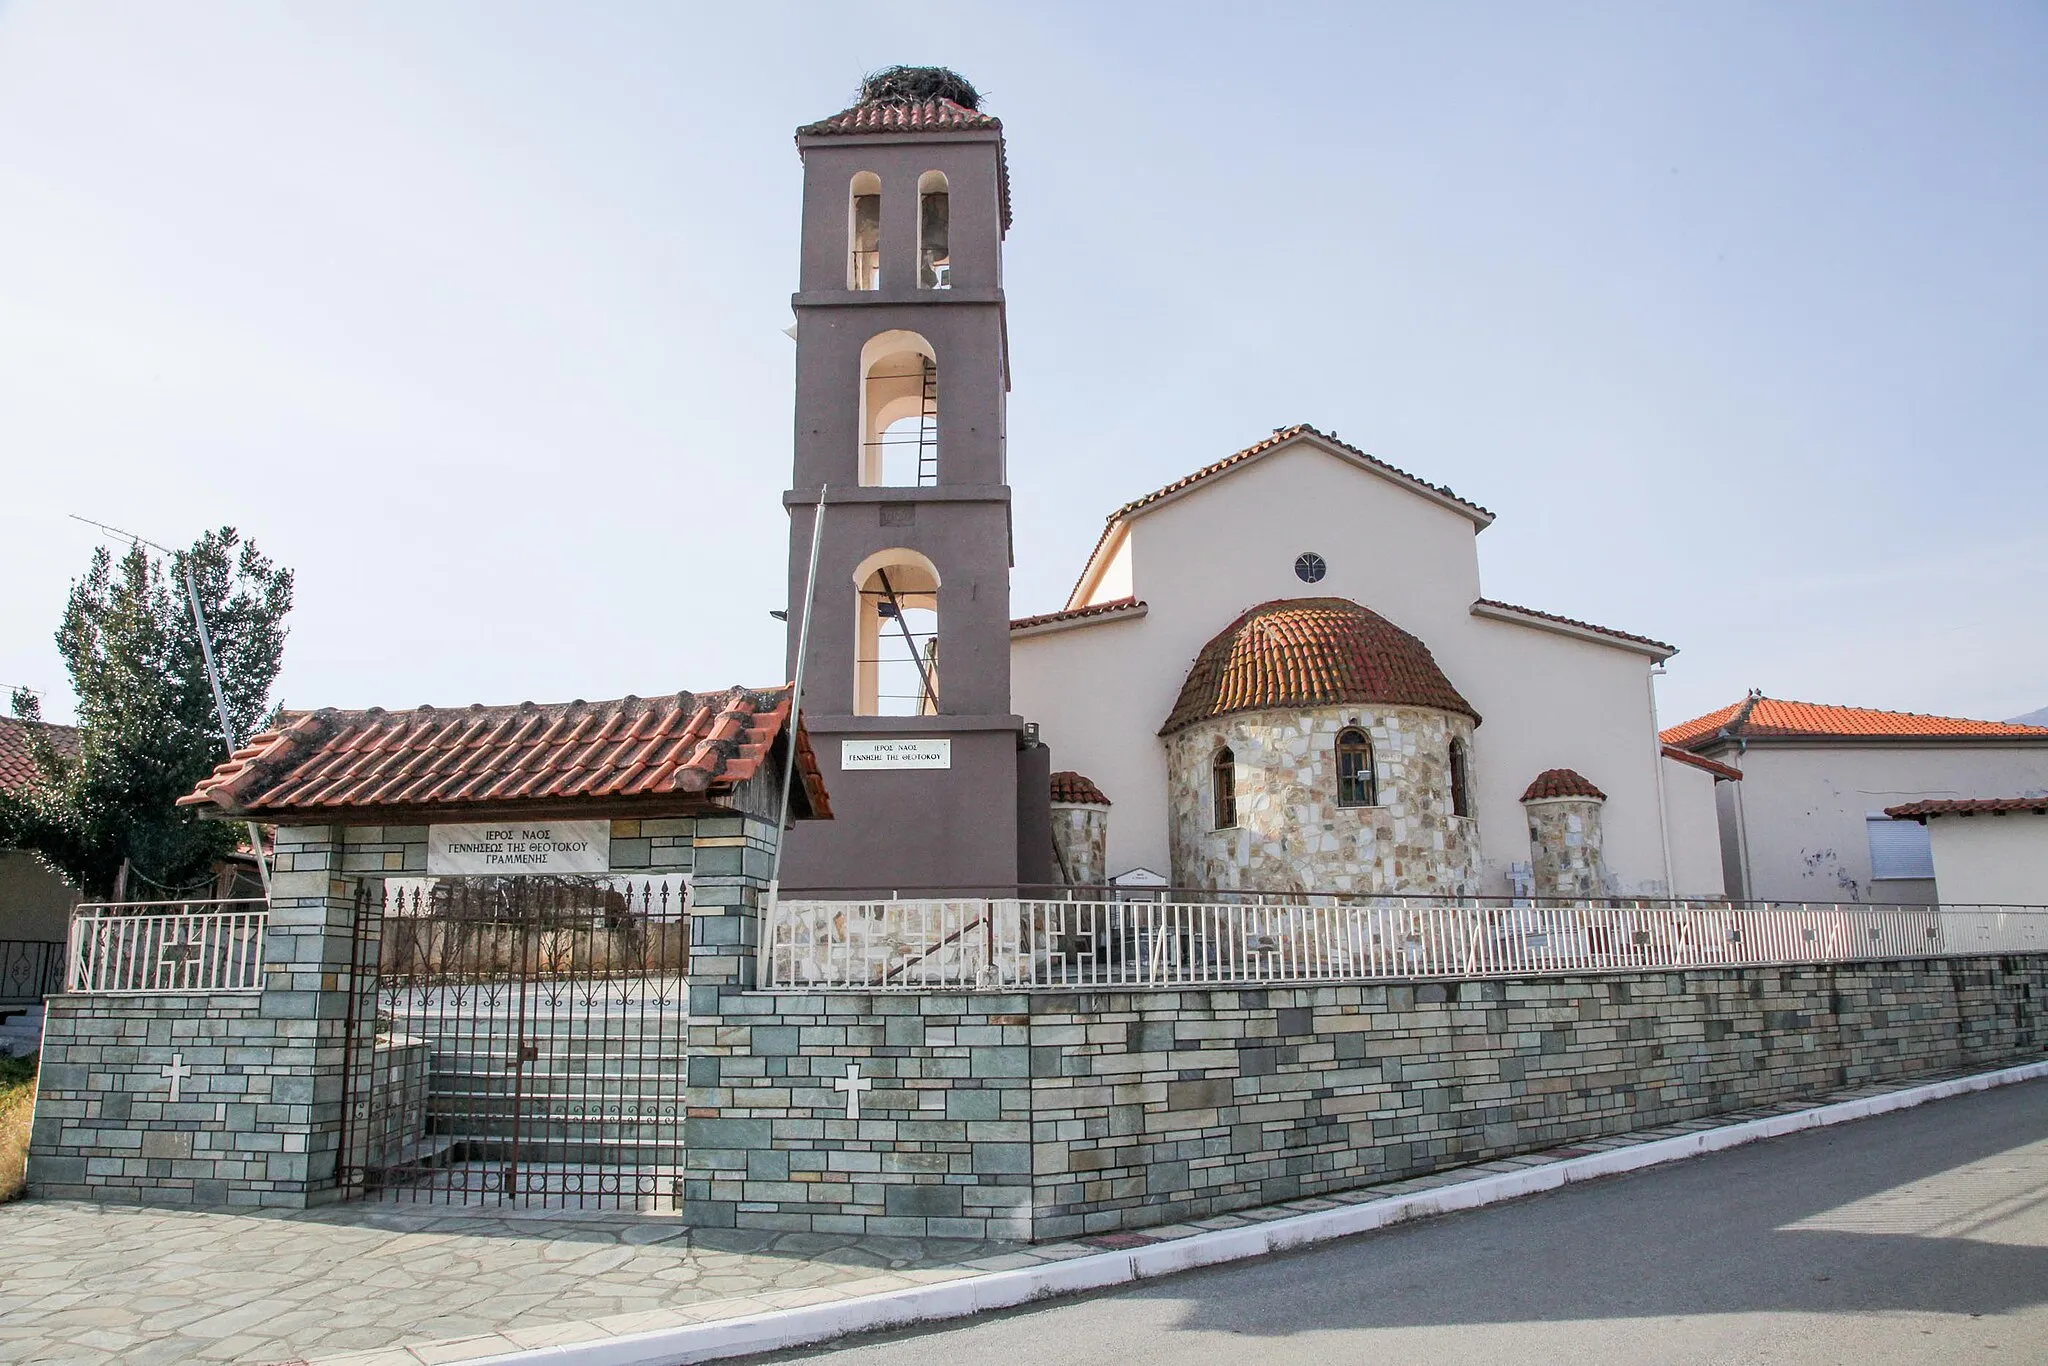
(21, 1033)
(602, 1091)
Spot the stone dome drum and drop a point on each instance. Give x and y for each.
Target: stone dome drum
(1311, 652)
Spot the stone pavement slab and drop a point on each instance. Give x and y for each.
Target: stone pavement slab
(409, 1285)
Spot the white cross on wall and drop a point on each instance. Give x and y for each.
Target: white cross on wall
(853, 1084)
(175, 1072)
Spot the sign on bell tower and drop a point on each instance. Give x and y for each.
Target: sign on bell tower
(901, 380)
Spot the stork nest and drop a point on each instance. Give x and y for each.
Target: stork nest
(918, 85)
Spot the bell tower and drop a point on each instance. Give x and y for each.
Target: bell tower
(902, 375)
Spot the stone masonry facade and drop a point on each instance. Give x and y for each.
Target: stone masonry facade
(1292, 836)
(1044, 1116)
(1080, 837)
(1565, 850)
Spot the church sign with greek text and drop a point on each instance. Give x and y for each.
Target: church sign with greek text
(512, 846)
(859, 755)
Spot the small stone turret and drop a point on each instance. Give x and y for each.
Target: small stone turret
(1565, 836)
(1080, 830)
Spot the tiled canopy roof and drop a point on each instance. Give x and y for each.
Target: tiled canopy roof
(17, 764)
(1093, 609)
(1968, 806)
(1561, 782)
(1069, 786)
(1757, 716)
(930, 116)
(1311, 652)
(688, 750)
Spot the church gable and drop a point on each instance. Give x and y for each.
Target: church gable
(1108, 572)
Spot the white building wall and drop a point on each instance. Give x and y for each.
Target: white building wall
(1100, 692)
(1689, 797)
(1991, 860)
(1799, 813)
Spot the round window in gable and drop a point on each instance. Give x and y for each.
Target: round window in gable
(1309, 568)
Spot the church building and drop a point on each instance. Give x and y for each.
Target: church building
(1277, 674)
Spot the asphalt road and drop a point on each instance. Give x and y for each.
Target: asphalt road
(1915, 1237)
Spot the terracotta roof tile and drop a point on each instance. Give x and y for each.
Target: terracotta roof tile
(1757, 716)
(1096, 609)
(1068, 786)
(1311, 652)
(904, 116)
(1561, 782)
(686, 745)
(17, 763)
(1705, 765)
(1280, 437)
(1582, 625)
(1968, 806)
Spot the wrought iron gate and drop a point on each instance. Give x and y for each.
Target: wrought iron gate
(518, 1039)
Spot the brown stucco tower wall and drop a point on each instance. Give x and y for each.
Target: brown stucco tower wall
(905, 829)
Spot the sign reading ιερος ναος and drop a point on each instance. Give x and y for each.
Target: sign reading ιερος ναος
(513, 846)
(857, 755)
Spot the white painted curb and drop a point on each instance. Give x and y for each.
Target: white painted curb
(786, 1328)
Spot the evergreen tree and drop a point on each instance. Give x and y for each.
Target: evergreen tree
(147, 729)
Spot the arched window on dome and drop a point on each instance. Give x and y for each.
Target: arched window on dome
(1461, 780)
(1223, 788)
(1358, 780)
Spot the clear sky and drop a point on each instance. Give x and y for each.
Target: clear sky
(1737, 315)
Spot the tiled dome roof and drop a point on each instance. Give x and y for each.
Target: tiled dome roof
(1069, 786)
(1561, 782)
(1311, 652)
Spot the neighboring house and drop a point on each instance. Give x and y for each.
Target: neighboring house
(1987, 851)
(35, 903)
(1282, 673)
(1808, 822)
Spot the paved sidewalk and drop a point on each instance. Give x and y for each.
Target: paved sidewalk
(402, 1285)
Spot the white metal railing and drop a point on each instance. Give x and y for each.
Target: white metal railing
(126, 948)
(934, 944)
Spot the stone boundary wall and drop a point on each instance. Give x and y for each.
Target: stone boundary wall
(106, 1127)
(1047, 1116)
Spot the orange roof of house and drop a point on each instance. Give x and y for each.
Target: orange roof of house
(1968, 806)
(1701, 762)
(1311, 652)
(17, 763)
(1561, 782)
(1757, 716)
(1069, 786)
(696, 747)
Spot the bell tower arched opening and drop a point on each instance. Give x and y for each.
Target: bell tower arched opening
(896, 635)
(899, 402)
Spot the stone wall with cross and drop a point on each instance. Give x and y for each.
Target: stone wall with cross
(226, 1098)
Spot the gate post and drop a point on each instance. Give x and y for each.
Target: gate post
(308, 970)
(732, 858)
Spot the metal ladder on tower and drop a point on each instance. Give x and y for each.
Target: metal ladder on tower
(928, 428)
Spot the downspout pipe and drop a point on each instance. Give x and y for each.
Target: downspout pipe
(1663, 808)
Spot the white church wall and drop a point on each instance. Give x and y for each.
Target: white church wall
(1100, 692)
(1088, 688)
(1695, 831)
(1555, 701)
